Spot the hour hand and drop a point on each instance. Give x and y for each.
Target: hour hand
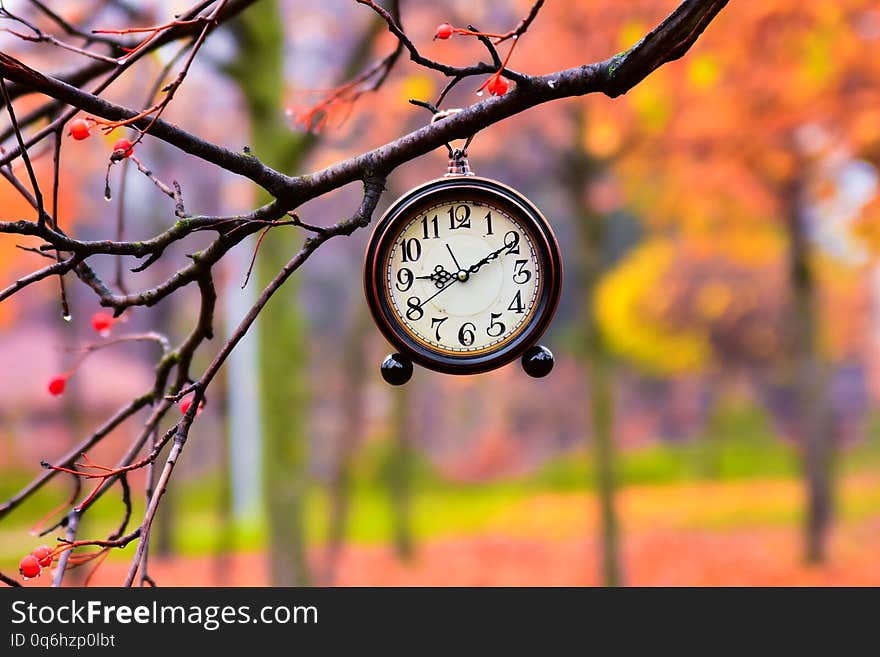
(440, 276)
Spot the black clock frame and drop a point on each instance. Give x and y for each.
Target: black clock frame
(455, 188)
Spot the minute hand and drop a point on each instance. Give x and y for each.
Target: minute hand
(489, 258)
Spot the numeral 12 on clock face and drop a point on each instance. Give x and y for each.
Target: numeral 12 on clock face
(463, 277)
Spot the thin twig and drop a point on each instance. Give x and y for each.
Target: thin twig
(42, 37)
(61, 267)
(170, 89)
(45, 476)
(6, 579)
(65, 506)
(56, 182)
(38, 194)
(72, 29)
(486, 41)
(119, 281)
(70, 536)
(148, 496)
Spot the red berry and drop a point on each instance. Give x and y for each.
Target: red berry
(125, 146)
(43, 554)
(56, 384)
(29, 567)
(444, 31)
(102, 321)
(79, 129)
(498, 85)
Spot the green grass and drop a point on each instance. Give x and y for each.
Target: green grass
(739, 445)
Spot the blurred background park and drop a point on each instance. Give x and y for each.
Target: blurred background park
(713, 415)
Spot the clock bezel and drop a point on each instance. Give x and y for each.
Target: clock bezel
(452, 188)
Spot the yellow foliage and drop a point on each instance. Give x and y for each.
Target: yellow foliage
(867, 227)
(418, 86)
(621, 307)
(703, 71)
(630, 34)
(602, 137)
(817, 66)
(651, 102)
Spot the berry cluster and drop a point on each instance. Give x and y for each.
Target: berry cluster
(82, 129)
(32, 565)
(497, 84)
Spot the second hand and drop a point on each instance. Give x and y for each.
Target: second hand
(438, 292)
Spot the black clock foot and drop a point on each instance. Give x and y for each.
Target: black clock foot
(537, 361)
(397, 369)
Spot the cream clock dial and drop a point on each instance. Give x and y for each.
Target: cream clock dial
(463, 275)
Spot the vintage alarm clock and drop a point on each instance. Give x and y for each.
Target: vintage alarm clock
(463, 275)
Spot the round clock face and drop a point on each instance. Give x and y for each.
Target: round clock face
(462, 274)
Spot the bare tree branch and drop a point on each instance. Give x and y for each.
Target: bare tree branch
(185, 29)
(38, 195)
(173, 378)
(613, 77)
(60, 267)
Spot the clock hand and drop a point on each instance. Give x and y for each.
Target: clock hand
(440, 276)
(474, 268)
(442, 288)
(448, 248)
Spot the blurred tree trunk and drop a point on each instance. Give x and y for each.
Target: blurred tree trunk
(400, 475)
(259, 72)
(166, 521)
(809, 378)
(347, 439)
(225, 537)
(582, 170)
(283, 358)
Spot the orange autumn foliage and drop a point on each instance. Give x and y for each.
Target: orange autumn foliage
(774, 94)
(13, 206)
(717, 150)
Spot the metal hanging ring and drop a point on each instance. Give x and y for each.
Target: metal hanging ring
(454, 153)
